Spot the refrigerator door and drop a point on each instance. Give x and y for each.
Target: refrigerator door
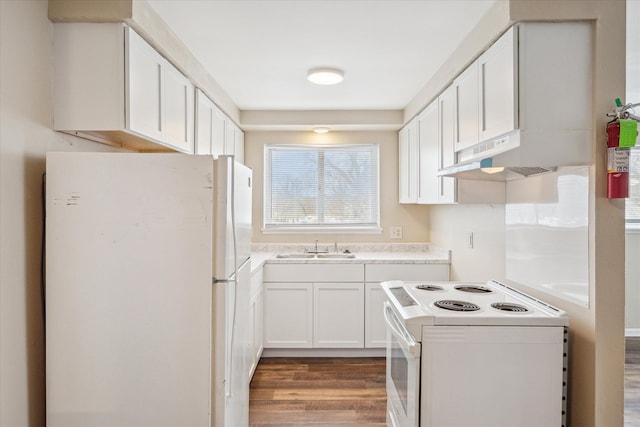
(231, 341)
(232, 246)
(232, 242)
(128, 296)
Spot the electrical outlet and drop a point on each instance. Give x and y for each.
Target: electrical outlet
(395, 232)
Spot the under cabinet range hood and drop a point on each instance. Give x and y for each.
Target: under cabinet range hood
(520, 154)
(531, 104)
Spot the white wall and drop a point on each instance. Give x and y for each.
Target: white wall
(450, 226)
(25, 137)
(412, 218)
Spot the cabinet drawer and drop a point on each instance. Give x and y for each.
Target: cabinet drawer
(314, 272)
(383, 272)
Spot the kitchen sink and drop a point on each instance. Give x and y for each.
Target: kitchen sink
(319, 256)
(303, 256)
(338, 256)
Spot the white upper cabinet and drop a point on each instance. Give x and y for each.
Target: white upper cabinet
(215, 132)
(498, 98)
(467, 115)
(234, 141)
(177, 93)
(144, 84)
(238, 144)
(485, 94)
(436, 139)
(446, 147)
(210, 126)
(110, 85)
(408, 163)
(429, 144)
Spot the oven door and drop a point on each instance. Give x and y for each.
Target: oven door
(403, 373)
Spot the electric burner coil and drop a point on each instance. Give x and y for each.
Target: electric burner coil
(510, 307)
(474, 289)
(455, 305)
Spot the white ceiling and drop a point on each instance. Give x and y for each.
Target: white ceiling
(259, 51)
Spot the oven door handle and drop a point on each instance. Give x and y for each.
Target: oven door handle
(399, 331)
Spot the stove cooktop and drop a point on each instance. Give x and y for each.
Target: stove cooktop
(459, 303)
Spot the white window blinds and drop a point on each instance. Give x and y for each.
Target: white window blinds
(321, 186)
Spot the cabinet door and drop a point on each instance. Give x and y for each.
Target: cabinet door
(498, 99)
(144, 86)
(230, 137)
(428, 126)
(467, 116)
(258, 327)
(178, 109)
(204, 123)
(218, 132)
(255, 331)
(288, 315)
(375, 328)
(338, 315)
(239, 145)
(211, 127)
(446, 147)
(408, 163)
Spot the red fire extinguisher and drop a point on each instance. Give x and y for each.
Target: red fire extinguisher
(622, 133)
(617, 164)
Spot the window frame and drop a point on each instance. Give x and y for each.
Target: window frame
(632, 225)
(272, 228)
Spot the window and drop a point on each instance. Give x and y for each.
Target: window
(632, 208)
(321, 188)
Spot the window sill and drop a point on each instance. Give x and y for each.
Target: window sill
(321, 230)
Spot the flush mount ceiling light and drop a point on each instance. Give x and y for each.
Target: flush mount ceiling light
(321, 129)
(325, 76)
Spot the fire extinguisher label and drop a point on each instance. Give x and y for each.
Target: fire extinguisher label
(618, 159)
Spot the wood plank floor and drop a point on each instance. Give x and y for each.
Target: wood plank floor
(318, 392)
(327, 392)
(632, 382)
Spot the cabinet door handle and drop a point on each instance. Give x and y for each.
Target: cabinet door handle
(483, 121)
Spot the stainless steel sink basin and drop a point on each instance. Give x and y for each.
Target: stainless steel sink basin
(303, 256)
(319, 256)
(338, 256)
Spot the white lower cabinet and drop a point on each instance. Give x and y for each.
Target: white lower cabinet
(256, 316)
(325, 313)
(375, 327)
(375, 330)
(341, 309)
(288, 315)
(338, 315)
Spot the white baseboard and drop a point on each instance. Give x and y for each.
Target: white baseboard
(323, 352)
(632, 332)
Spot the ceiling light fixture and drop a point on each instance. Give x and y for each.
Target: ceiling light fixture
(325, 76)
(321, 129)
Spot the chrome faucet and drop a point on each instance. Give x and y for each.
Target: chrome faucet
(316, 250)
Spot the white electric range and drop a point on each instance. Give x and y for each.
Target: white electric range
(473, 355)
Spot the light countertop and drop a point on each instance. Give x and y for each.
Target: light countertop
(403, 253)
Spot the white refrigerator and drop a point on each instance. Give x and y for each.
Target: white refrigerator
(147, 290)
